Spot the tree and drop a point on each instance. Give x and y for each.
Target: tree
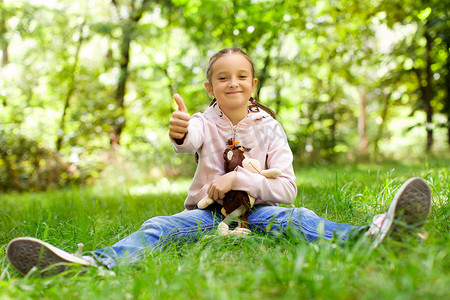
(70, 89)
(3, 39)
(128, 22)
(431, 20)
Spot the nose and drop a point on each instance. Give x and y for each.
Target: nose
(233, 83)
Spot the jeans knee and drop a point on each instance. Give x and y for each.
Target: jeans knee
(154, 224)
(306, 213)
(296, 214)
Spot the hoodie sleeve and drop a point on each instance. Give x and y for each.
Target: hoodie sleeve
(193, 139)
(279, 190)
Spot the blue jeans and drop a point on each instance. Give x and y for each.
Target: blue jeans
(191, 224)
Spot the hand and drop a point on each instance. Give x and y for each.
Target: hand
(220, 186)
(179, 122)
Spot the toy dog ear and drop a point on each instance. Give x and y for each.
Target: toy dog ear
(228, 155)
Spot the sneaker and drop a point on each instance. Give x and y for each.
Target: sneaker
(408, 211)
(26, 253)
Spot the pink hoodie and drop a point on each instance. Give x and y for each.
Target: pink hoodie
(208, 134)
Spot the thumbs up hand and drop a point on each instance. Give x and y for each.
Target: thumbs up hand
(179, 122)
(180, 103)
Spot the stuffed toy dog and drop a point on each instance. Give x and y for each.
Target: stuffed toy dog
(236, 204)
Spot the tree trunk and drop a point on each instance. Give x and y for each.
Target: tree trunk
(381, 127)
(362, 122)
(5, 56)
(119, 122)
(447, 96)
(129, 26)
(71, 89)
(263, 76)
(279, 86)
(167, 33)
(333, 126)
(428, 93)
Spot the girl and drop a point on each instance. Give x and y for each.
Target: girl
(231, 81)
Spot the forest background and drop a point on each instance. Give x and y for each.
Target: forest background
(86, 86)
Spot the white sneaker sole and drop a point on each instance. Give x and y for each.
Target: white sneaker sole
(409, 208)
(26, 253)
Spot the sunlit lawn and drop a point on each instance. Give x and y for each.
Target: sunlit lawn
(253, 267)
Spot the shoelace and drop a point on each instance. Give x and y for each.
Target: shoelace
(377, 224)
(80, 250)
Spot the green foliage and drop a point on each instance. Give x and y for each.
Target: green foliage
(256, 266)
(346, 78)
(27, 166)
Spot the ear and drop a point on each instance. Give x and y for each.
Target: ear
(209, 88)
(255, 80)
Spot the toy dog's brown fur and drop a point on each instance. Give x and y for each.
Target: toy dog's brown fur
(235, 199)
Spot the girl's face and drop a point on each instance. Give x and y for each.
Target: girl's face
(231, 82)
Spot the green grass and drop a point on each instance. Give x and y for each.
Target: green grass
(256, 266)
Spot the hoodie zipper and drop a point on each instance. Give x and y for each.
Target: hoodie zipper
(234, 127)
